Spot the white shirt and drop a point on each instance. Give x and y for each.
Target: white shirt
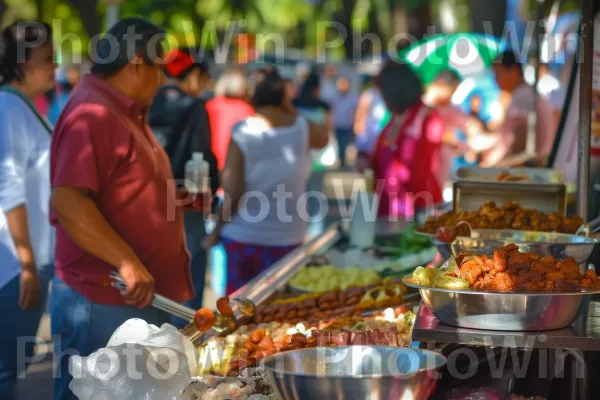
(552, 90)
(24, 180)
(272, 211)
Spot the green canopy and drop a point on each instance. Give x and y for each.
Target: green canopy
(464, 53)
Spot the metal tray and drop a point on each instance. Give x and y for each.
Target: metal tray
(547, 198)
(503, 311)
(485, 241)
(537, 175)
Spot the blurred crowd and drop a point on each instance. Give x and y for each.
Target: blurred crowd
(90, 154)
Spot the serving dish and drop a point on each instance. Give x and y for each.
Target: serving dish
(547, 198)
(354, 372)
(484, 241)
(503, 311)
(534, 175)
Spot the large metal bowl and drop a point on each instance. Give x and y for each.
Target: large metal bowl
(354, 372)
(503, 311)
(485, 241)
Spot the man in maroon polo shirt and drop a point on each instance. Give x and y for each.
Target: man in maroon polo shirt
(112, 200)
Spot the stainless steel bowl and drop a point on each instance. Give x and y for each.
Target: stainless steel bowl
(485, 241)
(504, 311)
(354, 372)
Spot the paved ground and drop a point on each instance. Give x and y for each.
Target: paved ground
(38, 384)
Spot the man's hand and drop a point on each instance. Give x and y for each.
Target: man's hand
(79, 215)
(210, 241)
(30, 290)
(140, 285)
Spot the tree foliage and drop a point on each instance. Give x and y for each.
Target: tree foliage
(295, 20)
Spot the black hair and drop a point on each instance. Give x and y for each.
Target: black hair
(115, 43)
(312, 82)
(399, 85)
(509, 59)
(270, 91)
(15, 47)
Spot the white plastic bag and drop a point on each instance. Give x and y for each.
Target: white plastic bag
(140, 361)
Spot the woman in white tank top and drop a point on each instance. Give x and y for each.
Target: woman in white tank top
(264, 215)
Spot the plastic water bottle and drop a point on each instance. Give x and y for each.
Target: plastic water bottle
(364, 214)
(197, 183)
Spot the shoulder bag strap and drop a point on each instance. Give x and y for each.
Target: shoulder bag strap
(30, 105)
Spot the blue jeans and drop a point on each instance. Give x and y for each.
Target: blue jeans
(316, 210)
(195, 232)
(17, 324)
(80, 327)
(344, 138)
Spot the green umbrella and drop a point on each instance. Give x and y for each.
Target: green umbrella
(464, 53)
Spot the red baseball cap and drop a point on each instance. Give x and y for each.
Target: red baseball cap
(181, 60)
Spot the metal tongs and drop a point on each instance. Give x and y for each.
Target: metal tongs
(223, 324)
(160, 302)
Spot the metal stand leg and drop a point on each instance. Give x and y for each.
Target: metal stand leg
(583, 383)
(578, 378)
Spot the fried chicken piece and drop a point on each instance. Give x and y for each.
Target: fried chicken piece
(570, 225)
(510, 248)
(531, 286)
(500, 260)
(501, 282)
(530, 276)
(573, 276)
(534, 256)
(543, 267)
(510, 206)
(587, 283)
(568, 265)
(488, 264)
(519, 258)
(566, 286)
(471, 271)
(591, 274)
(548, 259)
(554, 276)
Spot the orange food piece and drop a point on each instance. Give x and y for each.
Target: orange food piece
(552, 276)
(278, 344)
(513, 271)
(251, 346)
(266, 343)
(257, 335)
(204, 319)
(224, 306)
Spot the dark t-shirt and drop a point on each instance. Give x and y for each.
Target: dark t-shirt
(312, 108)
(180, 123)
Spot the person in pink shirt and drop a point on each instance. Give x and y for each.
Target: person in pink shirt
(113, 201)
(512, 134)
(406, 158)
